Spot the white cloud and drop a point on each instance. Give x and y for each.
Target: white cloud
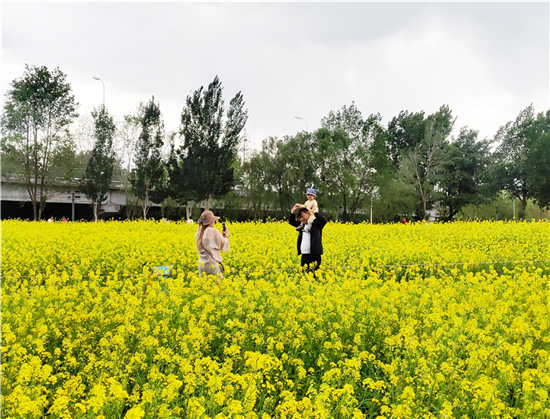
(487, 61)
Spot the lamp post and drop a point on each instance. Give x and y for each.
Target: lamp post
(97, 78)
(307, 128)
(245, 139)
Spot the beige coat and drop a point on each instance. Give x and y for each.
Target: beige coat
(209, 255)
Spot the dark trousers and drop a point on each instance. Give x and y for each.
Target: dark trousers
(310, 263)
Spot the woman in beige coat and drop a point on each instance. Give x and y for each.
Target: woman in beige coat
(209, 243)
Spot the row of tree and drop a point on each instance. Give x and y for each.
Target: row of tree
(405, 168)
(412, 165)
(38, 145)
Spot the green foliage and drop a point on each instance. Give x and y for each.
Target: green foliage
(404, 132)
(36, 144)
(395, 200)
(420, 164)
(511, 156)
(149, 173)
(343, 156)
(462, 179)
(279, 176)
(522, 159)
(404, 169)
(202, 167)
(349, 120)
(538, 160)
(99, 170)
(502, 208)
(301, 165)
(253, 174)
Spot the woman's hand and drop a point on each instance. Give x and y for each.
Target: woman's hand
(225, 233)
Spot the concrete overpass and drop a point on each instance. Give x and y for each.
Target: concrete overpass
(13, 193)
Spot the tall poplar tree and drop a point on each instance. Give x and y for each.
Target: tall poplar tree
(99, 170)
(148, 172)
(210, 144)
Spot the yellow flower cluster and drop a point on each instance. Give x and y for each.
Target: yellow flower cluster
(405, 321)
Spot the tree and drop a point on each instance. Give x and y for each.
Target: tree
(128, 132)
(462, 180)
(99, 170)
(178, 182)
(334, 156)
(289, 169)
(37, 112)
(161, 193)
(343, 146)
(253, 179)
(394, 198)
(275, 152)
(210, 144)
(148, 173)
(512, 154)
(350, 120)
(420, 166)
(419, 163)
(538, 160)
(404, 133)
(301, 166)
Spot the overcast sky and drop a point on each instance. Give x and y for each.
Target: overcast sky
(487, 61)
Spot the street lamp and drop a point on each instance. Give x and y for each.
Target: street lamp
(246, 138)
(97, 78)
(307, 128)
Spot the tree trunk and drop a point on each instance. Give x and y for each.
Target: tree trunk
(281, 204)
(96, 204)
(452, 213)
(523, 200)
(354, 206)
(424, 206)
(145, 200)
(133, 211)
(189, 210)
(41, 205)
(34, 200)
(345, 214)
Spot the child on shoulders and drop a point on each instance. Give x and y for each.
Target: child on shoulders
(311, 205)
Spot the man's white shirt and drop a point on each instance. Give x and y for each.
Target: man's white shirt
(305, 247)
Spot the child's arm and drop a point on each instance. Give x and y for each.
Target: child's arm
(314, 208)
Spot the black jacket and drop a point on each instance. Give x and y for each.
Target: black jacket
(316, 233)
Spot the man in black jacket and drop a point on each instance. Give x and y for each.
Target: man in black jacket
(310, 239)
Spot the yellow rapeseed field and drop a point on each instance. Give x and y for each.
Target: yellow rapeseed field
(404, 321)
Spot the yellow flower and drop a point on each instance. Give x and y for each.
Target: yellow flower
(135, 413)
(385, 322)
